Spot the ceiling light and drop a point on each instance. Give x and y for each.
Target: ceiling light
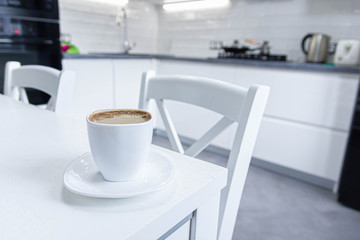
(111, 2)
(195, 5)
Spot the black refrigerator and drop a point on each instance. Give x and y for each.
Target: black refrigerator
(29, 34)
(349, 187)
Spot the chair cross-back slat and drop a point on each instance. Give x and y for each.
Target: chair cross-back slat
(58, 84)
(206, 139)
(197, 146)
(23, 96)
(171, 132)
(244, 106)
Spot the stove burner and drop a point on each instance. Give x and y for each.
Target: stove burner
(258, 57)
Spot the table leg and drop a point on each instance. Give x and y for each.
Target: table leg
(204, 224)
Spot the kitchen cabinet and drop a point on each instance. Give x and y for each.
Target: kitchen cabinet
(310, 149)
(106, 83)
(127, 80)
(93, 87)
(323, 99)
(306, 122)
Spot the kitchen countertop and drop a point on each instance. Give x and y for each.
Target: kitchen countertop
(254, 63)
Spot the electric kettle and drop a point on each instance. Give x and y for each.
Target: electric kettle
(317, 48)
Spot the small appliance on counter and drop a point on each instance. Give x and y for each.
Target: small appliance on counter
(235, 51)
(317, 49)
(347, 53)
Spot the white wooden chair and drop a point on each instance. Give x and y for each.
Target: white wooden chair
(58, 84)
(237, 104)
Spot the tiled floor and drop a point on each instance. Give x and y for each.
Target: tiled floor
(275, 207)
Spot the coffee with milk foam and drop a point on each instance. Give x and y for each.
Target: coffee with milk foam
(120, 117)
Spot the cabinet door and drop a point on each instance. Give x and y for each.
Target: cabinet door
(127, 74)
(93, 86)
(310, 149)
(217, 71)
(306, 120)
(317, 98)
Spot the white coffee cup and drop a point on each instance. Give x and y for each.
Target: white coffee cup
(120, 147)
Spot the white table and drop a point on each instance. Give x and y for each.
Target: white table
(37, 145)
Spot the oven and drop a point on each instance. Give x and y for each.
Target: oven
(46, 9)
(29, 33)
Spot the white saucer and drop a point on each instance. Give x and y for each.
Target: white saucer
(82, 177)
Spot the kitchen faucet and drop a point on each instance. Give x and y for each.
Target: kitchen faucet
(121, 19)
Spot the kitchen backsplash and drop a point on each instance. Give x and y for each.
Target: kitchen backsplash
(282, 22)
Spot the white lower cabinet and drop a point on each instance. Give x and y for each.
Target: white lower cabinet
(306, 122)
(318, 98)
(310, 149)
(93, 86)
(315, 98)
(106, 83)
(307, 118)
(127, 81)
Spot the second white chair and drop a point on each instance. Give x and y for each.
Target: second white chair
(244, 106)
(58, 84)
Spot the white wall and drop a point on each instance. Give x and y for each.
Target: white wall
(282, 22)
(93, 29)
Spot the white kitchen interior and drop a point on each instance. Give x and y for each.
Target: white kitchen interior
(309, 111)
(311, 124)
(307, 121)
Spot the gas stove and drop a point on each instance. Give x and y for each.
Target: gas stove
(236, 51)
(248, 56)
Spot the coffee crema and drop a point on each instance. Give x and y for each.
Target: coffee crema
(120, 117)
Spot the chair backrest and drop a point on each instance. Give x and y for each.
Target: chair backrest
(58, 84)
(244, 106)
